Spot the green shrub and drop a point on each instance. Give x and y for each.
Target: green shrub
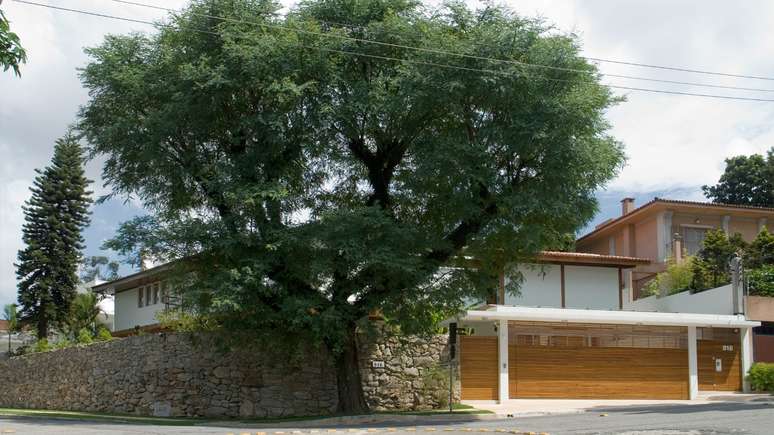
(761, 377)
(42, 346)
(85, 337)
(435, 384)
(761, 281)
(103, 334)
(675, 279)
(63, 343)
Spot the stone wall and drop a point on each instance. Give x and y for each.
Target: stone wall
(414, 375)
(169, 375)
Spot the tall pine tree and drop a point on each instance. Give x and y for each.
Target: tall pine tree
(54, 217)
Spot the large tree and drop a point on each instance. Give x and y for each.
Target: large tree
(747, 180)
(312, 176)
(54, 217)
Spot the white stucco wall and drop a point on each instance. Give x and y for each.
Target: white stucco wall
(542, 287)
(588, 287)
(128, 314)
(715, 301)
(585, 287)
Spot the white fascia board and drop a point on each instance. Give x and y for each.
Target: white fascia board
(612, 317)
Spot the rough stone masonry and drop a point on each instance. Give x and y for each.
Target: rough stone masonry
(170, 375)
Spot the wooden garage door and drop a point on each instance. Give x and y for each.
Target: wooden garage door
(719, 344)
(478, 367)
(597, 362)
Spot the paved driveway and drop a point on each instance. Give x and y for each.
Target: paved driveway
(710, 419)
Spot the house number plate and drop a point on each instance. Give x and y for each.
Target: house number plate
(377, 364)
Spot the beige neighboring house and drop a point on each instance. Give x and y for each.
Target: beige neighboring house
(654, 230)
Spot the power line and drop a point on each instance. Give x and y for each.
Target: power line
(443, 52)
(674, 68)
(456, 67)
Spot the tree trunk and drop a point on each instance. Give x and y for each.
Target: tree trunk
(350, 387)
(42, 325)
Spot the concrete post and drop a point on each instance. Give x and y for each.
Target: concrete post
(747, 356)
(502, 360)
(693, 364)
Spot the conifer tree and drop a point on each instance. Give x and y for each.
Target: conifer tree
(54, 217)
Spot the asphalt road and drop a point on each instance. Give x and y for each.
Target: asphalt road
(714, 419)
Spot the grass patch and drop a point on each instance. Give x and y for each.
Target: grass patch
(458, 409)
(115, 418)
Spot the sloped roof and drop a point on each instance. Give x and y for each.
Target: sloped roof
(676, 202)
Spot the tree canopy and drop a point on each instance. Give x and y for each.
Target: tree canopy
(54, 217)
(12, 54)
(312, 176)
(747, 180)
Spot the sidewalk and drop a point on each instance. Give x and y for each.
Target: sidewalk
(540, 407)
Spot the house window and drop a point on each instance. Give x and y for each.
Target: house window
(148, 295)
(693, 239)
(140, 292)
(156, 293)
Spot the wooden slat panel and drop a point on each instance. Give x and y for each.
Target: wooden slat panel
(478, 367)
(598, 373)
(585, 361)
(730, 377)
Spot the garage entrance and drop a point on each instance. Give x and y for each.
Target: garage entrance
(478, 367)
(591, 361)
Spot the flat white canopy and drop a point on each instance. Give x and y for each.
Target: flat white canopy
(569, 315)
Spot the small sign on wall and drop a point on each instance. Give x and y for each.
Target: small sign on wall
(377, 364)
(728, 347)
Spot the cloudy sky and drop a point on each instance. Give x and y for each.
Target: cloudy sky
(675, 144)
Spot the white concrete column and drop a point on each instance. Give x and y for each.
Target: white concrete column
(747, 356)
(502, 360)
(693, 364)
(725, 224)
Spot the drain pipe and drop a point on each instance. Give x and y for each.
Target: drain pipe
(737, 284)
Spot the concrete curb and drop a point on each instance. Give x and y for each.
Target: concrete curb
(369, 420)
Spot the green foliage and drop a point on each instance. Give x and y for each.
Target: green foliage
(103, 334)
(760, 281)
(12, 54)
(83, 315)
(435, 384)
(42, 346)
(761, 377)
(54, 217)
(760, 252)
(711, 268)
(84, 337)
(12, 318)
(309, 187)
(184, 321)
(63, 343)
(99, 267)
(675, 279)
(747, 180)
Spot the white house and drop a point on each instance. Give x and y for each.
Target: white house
(136, 299)
(572, 331)
(575, 332)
